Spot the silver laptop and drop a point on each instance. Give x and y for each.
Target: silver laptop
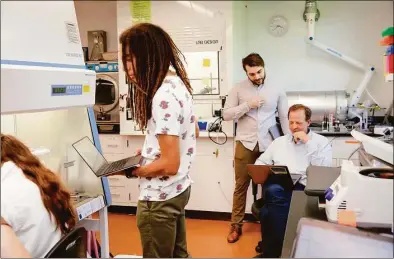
(96, 161)
(322, 239)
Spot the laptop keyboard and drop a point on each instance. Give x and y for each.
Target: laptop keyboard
(118, 165)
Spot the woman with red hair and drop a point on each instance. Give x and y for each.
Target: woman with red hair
(34, 203)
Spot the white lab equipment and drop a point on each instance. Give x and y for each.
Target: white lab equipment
(42, 69)
(42, 65)
(383, 130)
(363, 190)
(311, 15)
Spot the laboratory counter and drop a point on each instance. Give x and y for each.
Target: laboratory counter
(339, 133)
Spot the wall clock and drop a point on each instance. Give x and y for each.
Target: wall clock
(278, 26)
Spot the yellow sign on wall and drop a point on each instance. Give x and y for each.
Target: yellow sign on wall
(206, 62)
(140, 11)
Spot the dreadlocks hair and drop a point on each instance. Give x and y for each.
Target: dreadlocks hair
(151, 52)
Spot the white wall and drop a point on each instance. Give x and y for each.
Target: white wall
(351, 27)
(239, 40)
(97, 15)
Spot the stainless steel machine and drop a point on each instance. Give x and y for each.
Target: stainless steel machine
(322, 103)
(106, 108)
(331, 110)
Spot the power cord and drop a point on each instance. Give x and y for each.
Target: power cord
(354, 152)
(224, 194)
(217, 127)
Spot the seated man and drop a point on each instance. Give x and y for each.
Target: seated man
(297, 150)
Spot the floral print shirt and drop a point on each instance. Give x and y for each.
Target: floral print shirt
(172, 114)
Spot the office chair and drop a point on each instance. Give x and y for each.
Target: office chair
(257, 203)
(72, 245)
(256, 207)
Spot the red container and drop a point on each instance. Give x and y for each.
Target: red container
(388, 64)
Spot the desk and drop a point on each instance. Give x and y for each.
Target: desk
(301, 206)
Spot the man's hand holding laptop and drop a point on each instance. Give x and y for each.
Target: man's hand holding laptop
(138, 152)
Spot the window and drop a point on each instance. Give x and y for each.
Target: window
(203, 72)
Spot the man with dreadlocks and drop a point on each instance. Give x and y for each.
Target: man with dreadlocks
(161, 104)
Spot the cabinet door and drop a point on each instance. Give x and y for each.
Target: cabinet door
(213, 185)
(117, 181)
(205, 147)
(112, 144)
(132, 143)
(120, 196)
(134, 191)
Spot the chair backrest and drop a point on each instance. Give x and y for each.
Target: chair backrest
(72, 245)
(276, 131)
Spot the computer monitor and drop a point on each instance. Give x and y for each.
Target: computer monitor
(321, 239)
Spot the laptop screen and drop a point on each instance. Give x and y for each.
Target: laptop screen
(318, 241)
(89, 153)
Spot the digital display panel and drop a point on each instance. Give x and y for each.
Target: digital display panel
(59, 90)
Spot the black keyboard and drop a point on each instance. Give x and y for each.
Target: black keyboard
(117, 166)
(134, 161)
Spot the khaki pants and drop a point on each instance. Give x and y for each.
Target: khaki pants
(243, 156)
(162, 227)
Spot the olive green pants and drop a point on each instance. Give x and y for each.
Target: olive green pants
(162, 227)
(242, 157)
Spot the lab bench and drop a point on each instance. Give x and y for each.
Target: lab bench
(342, 133)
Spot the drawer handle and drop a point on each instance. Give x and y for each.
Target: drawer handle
(114, 179)
(115, 194)
(352, 142)
(112, 145)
